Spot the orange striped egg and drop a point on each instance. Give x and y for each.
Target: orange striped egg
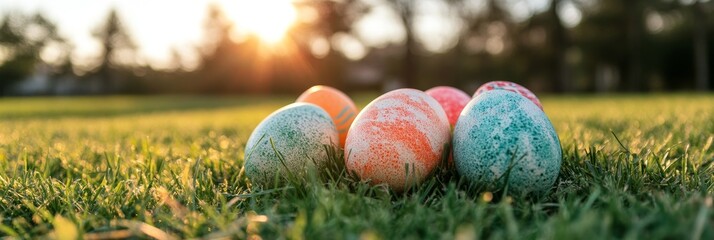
(398, 139)
(340, 107)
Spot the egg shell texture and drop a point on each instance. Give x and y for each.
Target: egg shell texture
(510, 86)
(495, 125)
(337, 104)
(299, 132)
(401, 127)
(452, 100)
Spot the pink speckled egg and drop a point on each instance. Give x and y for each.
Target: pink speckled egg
(452, 100)
(398, 139)
(510, 86)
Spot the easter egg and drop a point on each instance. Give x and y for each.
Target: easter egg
(510, 86)
(337, 104)
(501, 132)
(452, 100)
(398, 139)
(298, 132)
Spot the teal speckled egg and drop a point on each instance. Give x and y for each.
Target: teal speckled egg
(499, 130)
(299, 132)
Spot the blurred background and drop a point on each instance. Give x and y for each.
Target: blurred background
(94, 47)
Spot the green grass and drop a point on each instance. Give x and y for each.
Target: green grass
(172, 167)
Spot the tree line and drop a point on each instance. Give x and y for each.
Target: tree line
(633, 46)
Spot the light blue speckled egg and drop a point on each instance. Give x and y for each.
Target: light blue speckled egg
(299, 132)
(501, 130)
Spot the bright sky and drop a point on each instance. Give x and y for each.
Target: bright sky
(158, 26)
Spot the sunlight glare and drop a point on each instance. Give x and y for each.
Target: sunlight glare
(269, 19)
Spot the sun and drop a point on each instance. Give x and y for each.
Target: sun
(268, 19)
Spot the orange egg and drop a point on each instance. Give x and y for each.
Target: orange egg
(334, 102)
(398, 139)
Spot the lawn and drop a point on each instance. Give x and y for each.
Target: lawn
(636, 167)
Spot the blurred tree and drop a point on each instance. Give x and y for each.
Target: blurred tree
(603, 25)
(700, 11)
(634, 12)
(234, 61)
(322, 21)
(684, 44)
(559, 44)
(410, 62)
(216, 50)
(228, 66)
(326, 17)
(61, 66)
(544, 36)
(17, 60)
(118, 51)
(488, 44)
(22, 39)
